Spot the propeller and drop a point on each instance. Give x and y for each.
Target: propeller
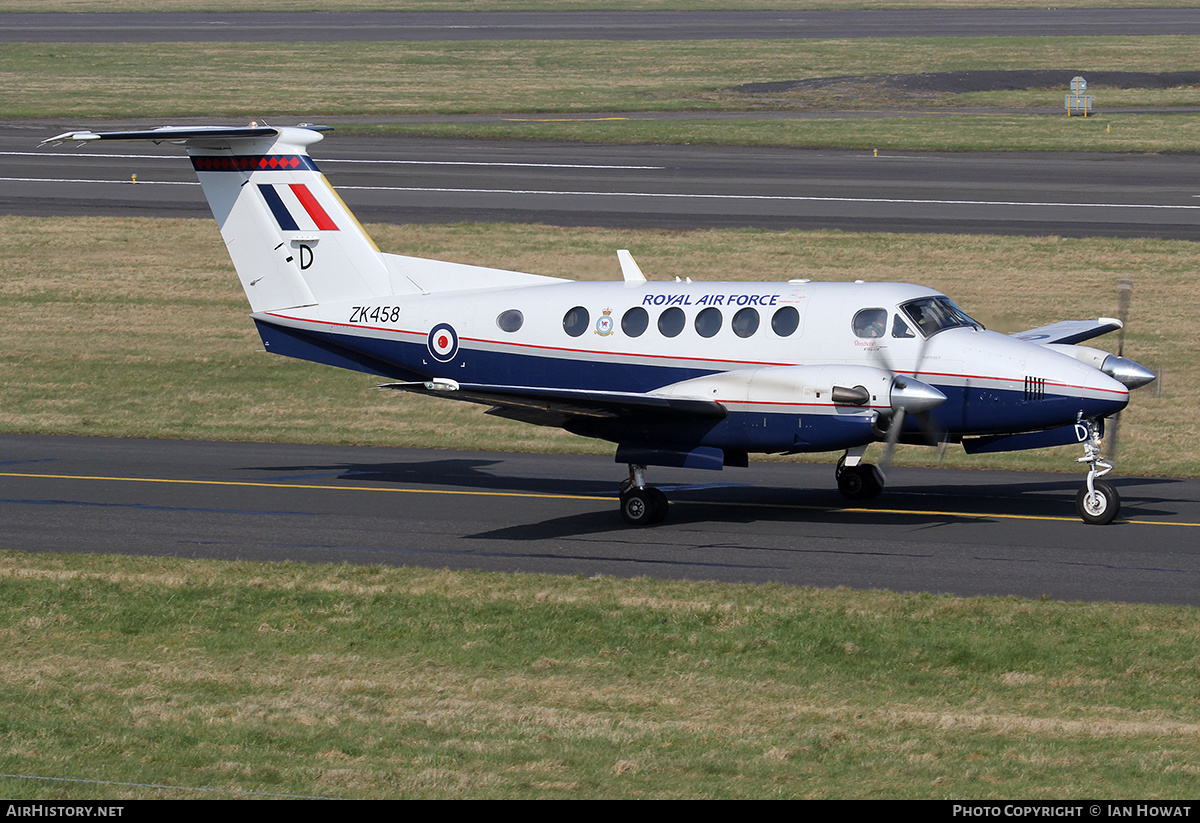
(1124, 292)
(901, 403)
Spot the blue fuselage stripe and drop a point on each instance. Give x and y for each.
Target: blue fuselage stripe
(770, 427)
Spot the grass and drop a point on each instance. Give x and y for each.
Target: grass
(106, 329)
(381, 80)
(552, 5)
(162, 80)
(357, 682)
(904, 132)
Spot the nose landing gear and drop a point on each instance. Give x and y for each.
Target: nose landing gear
(1097, 501)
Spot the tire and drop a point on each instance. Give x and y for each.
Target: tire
(861, 482)
(639, 507)
(1101, 508)
(660, 505)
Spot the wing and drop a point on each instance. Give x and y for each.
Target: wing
(1069, 331)
(558, 407)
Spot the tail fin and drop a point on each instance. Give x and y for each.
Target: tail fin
(291, 238)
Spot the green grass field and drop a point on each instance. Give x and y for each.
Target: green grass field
(356, 682)
(547, 5)
(533, 81)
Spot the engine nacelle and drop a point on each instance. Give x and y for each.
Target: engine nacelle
(1125, 371)
(844, 389)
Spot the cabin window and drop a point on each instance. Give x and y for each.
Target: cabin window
(576, 321)
(510, 320)
(708, 322)
(745, 322)
(785, 321)
(635, 321)
(870, 323)
(671, 322)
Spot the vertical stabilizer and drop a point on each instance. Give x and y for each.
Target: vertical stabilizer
(291, 238)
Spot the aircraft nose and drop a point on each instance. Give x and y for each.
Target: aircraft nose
(1126, 372)
(1104, 395)
(911, 395)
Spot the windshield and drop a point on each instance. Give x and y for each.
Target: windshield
(933, 314)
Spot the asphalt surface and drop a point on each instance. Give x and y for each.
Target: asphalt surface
(966, 533)
(400, 179)
(589, 25)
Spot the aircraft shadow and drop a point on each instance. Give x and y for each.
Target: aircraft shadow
(469, 473)
(905, 503)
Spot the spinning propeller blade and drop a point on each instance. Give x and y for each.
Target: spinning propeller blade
(900, 406)
(1124, 292)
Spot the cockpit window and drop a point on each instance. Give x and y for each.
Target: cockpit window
(934, 314)
(870, 323)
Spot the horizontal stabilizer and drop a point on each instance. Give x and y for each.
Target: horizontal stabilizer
(169, 134)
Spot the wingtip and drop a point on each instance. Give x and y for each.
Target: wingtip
(71, 137)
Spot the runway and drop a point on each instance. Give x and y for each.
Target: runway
(966, 533)
(140, 27)
(399, 179)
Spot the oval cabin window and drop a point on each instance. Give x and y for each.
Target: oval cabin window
(745, 322)
(785, 321)
(671, 322)
(510, 320)
(635, 322)
(576, 321)
(708, 322)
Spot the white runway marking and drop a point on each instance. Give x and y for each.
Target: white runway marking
(773, 197)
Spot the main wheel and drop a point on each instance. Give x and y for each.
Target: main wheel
(643, 507)
(660, 504)
(1101, 506)
(861, 482)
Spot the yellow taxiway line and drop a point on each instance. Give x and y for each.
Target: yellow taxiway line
(548, 496)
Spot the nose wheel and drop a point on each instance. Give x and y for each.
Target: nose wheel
(642, 505)
(1099, 505)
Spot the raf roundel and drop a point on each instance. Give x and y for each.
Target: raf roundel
(442, 342)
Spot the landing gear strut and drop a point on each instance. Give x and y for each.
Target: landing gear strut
(641, 505)
(857, 480)
(1097, 501)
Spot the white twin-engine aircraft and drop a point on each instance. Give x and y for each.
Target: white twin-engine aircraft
(696, 375)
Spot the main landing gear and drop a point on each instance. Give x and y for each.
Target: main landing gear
(1096, 501)
(858, 480)
(641, 505)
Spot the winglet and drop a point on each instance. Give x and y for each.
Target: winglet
(629, 269)
(70, 136)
